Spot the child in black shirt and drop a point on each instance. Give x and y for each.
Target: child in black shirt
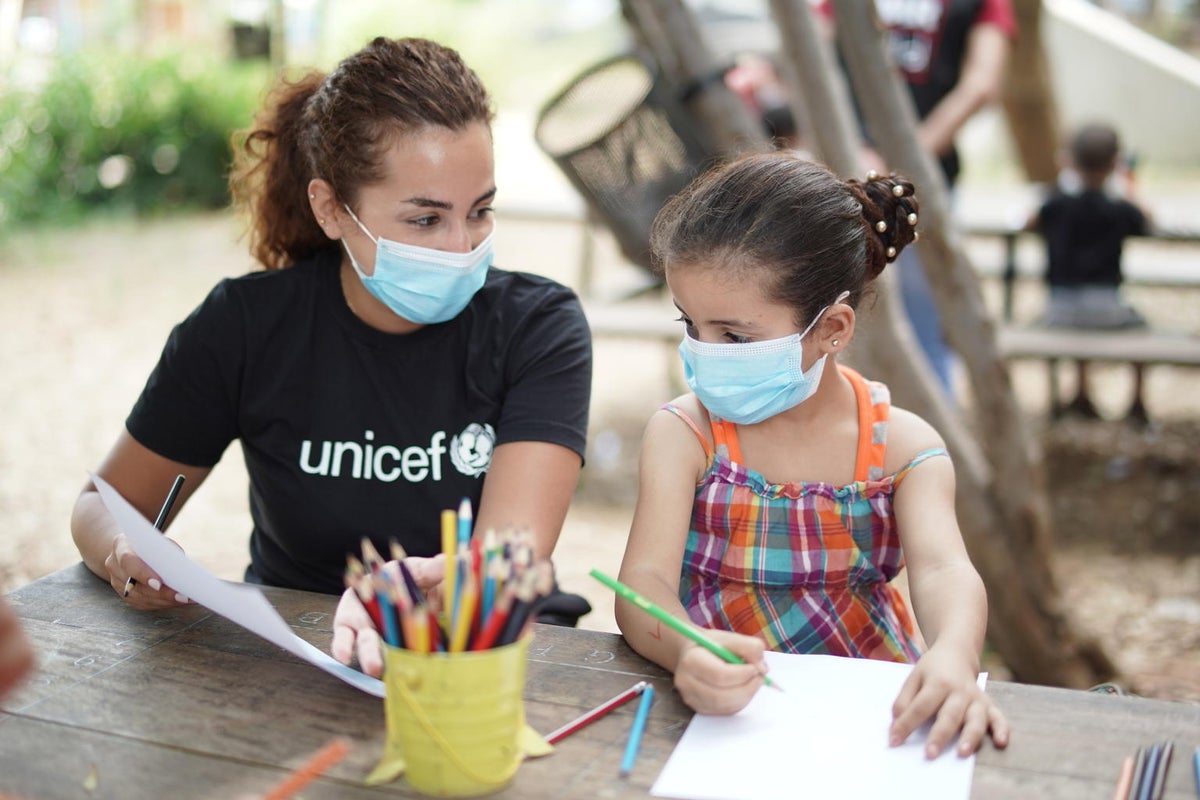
(1084, 224)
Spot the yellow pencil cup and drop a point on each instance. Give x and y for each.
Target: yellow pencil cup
(456, 721)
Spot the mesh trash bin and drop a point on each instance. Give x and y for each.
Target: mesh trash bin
(625, 143)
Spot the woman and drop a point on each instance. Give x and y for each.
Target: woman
(380, 369)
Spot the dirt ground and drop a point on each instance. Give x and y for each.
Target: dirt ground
(84, 314)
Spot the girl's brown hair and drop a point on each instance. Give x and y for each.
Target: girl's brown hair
(816, 234)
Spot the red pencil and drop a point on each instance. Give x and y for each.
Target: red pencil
(495, 623)
(596, 713)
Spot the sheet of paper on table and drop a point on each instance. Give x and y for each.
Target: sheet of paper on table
(824, 736)
(241, 603)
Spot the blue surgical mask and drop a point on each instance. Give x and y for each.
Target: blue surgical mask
(749, 382)
(421, 284)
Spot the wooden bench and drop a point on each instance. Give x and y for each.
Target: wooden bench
(1138, 347)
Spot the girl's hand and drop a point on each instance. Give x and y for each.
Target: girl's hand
(711, 685)
(943, 686)
(147, 591)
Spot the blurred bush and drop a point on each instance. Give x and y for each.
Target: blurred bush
(122, 134)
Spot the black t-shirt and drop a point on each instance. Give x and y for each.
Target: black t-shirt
(928, 41)
(1084, 234)
(348, 431)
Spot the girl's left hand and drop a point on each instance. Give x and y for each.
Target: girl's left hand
(943, 686)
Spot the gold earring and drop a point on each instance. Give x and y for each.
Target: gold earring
(322, 223)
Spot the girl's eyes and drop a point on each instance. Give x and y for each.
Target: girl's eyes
(482, 213)
(732, 338)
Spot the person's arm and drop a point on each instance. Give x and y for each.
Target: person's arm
(980, 83)
(530, 481)
(143, 478)
(949, 602)
(529, 487)
(668, 468)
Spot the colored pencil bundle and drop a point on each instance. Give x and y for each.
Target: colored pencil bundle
(491, 586)
(1144, 776)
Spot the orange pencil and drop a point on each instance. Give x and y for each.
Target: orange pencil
(310, 770)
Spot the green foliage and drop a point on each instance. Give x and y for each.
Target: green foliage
(122, 134)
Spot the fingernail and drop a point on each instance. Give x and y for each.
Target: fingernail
(180, 598)
(931, 751)
(894, 740)
(154, 583)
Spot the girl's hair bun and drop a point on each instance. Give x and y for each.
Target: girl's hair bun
(889, 210)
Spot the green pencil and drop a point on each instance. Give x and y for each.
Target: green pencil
(674, 623)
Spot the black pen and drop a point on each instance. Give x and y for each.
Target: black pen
(161, 520)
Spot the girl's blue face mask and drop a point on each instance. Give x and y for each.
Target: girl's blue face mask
(750, 382)
(421, 284)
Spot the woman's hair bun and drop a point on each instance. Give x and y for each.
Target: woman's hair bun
(889, 209)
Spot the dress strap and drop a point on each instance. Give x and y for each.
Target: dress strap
(725, 438)
(874, 407)
(691, 423)
(917, 459)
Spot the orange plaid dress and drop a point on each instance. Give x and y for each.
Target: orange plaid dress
(804, 566)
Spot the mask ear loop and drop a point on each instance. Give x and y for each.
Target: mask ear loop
(820, 313)
(361, 227)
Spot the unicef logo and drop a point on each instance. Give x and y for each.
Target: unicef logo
(471, 450)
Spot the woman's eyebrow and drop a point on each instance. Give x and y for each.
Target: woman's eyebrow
(427, 202)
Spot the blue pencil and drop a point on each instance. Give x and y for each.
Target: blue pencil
(635, 733)
(1146, 785)
(1196, 769)
(464, 523)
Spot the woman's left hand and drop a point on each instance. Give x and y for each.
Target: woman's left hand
(353, 631)
(943, 686)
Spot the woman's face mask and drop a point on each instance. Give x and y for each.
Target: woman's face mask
(421, 284)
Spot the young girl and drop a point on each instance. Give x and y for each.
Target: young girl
(775, 499)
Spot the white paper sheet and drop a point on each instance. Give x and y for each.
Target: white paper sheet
(238, 602)
(824, 736)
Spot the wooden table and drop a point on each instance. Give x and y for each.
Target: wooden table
(185, 704)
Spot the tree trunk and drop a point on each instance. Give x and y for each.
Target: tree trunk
(1029, 97)
(673, 35)
(1005, 519)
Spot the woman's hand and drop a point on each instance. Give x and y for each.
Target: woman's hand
(944, 686)
(428, 573)
(146, 591)
(711, 685)
(354, 633)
